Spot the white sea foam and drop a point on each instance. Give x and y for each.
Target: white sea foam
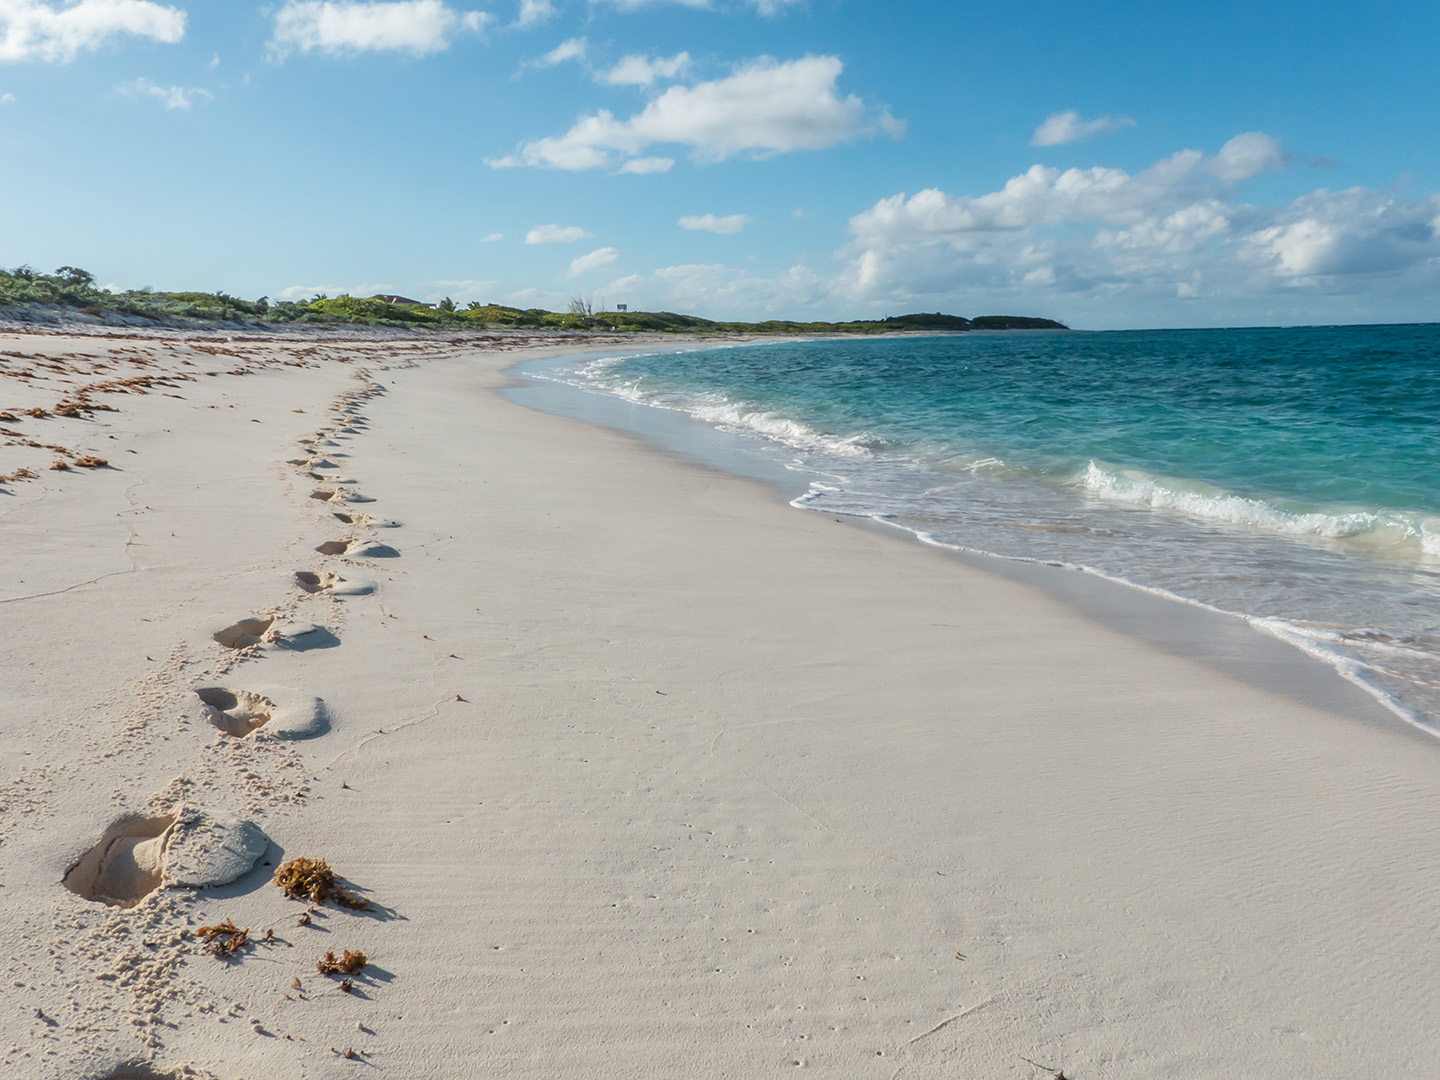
(1394, 529)
(720, 411)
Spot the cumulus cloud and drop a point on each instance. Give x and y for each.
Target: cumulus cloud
(555, 234)
(1067, 127)
(1248, 155)
(732, 223)
(1357, 231)
(766, 107)
(492, 238)
(340, 27)
(641, 166)
(1174, 230)
(597, 258)
(573, 49)
(533, 13)
(643, 71)
(172, 97)
(7, 98)
(31, 30)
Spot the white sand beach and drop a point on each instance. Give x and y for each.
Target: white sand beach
(643, 773)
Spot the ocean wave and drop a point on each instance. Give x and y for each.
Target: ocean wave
(723, 412)
(1373, 528)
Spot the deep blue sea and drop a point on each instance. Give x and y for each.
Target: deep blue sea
(1289, 476)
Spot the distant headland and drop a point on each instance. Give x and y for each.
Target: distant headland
(70, 294)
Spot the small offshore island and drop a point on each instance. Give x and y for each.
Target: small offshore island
(71, 295)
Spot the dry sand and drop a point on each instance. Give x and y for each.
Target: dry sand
(643, 773)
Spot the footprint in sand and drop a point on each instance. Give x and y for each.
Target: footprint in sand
(324, 494)
(334, 547)
(324, 581)
(359, 518)
(127, 864)
(235, 713)
(243, 634)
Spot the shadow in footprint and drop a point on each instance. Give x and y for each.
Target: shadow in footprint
(311, 582)
(243, 634)
(323, 495)
(334, 547)
(126, 865)
(235, 713)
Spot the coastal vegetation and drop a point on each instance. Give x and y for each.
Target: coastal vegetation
(31, 295)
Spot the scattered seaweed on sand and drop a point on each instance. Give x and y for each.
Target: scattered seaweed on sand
(351, 963)
(225, 939)
(313, 880)
(87, 462)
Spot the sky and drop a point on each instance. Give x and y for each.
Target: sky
(1113, 164)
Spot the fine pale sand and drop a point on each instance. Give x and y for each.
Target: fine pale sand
(643, 773)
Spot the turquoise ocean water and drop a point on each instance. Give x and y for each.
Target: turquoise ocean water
(1289, 476)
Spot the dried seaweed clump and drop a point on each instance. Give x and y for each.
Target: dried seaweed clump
(313, 880)
(350, 964)
(224, 939)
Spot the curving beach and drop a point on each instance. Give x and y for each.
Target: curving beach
(640, 772)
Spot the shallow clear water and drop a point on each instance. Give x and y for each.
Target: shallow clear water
(1291, 476)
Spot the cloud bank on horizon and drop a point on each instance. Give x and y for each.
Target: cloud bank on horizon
(427, 143)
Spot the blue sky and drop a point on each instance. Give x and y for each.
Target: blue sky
(1111, 165)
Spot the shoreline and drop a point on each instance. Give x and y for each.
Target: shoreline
(1235, 643)
(645, 774)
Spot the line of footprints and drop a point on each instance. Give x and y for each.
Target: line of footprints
(190, 847)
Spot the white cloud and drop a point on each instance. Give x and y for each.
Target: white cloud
(1172, 231)
(643, 71)
(641, 166)
(573, 49)
(1067, 127)
(1248, 155)
(555, 234)
(492, 238)
(7, 98)
(32, 30)
(766, 107)
(338, 27)
(172, 97)
(533, 13)
(599, 257)
(1357, 231)
(732, 223)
